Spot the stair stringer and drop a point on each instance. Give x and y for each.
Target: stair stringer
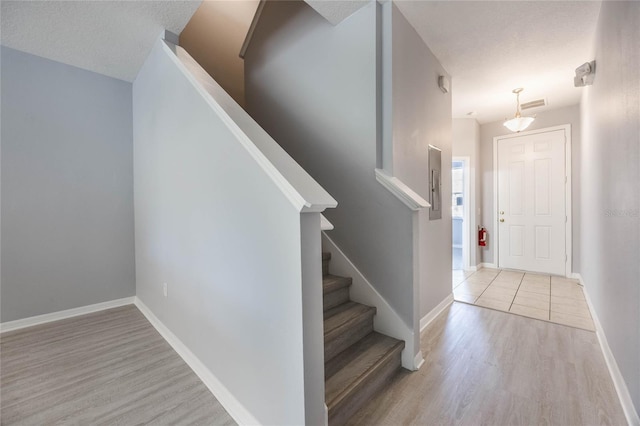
(386, 320)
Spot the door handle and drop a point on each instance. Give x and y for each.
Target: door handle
(501, 220)
(502, 212)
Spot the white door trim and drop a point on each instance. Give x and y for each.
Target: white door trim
(567, 189)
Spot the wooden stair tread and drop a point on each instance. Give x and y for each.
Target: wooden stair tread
(333, 282)
(357, 362)
(340, 315)
(338, 319)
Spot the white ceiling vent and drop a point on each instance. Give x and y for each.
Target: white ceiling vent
(534, 104)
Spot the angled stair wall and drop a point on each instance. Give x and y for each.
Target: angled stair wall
(213, 194)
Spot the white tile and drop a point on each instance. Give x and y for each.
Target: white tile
(569, 293)
(464, 297)
(505, 284)
(562, 280)
(535, 287)
(479, 279)
(510, 276)
(505, 296)
(472, 288)
(558, 300)
(543, 297)
(572, 320)
(528, 277)
(528, 311)
(531, 302)
(493, 304)
(579, 311)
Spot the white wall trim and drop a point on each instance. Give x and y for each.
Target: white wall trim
(398, 188)
(433, 314)
(618, 381)
(325, 225)
(239, 413)
(68, 313)
(386, 321)
(567, 198)
(487, 265)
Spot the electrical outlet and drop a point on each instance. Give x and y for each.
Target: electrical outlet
(165, 289)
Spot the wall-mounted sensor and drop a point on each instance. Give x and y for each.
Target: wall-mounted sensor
(585, 74)
(443, 84)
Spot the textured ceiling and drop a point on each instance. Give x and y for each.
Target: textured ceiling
(489, 47)
(335, 11)
(108, 37)
(492, 47)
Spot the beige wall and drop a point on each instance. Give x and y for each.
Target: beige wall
(214, 36)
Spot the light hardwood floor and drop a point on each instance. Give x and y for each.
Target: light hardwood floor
(485, 367)
(106, 368)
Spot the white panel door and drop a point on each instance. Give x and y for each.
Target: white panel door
(531, 202)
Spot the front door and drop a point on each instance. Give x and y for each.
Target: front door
(531, 202)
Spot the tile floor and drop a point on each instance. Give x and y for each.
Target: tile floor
(549, 298)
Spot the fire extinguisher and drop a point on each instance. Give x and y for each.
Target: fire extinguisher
(482, 236)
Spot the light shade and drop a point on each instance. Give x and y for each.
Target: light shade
(518, 124)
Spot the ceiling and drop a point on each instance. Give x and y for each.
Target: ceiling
(108, 37)
(491, 47)
(488, 47)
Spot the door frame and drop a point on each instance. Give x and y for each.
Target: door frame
(568, 266)
(466, 216)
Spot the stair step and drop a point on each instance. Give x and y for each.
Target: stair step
(333, 282)
(344, 325)
(354, 376)
(326, 257)
(336, 291)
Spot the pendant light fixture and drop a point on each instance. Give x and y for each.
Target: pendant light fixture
(518, 123)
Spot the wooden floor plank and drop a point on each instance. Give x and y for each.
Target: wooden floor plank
(485, 367)
(109, 367)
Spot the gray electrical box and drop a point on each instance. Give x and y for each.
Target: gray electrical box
(435, 183)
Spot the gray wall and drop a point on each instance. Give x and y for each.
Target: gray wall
(567, 115)
(422, 116)
(230, 245)
(610, 186)
(313, 87)
(67, 187)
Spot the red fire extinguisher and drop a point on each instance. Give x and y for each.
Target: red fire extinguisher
(482, 236)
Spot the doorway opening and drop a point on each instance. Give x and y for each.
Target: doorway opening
(460, 213)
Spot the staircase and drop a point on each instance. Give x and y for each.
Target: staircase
(358, 362)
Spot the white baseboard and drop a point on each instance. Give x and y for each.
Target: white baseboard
(487, 265)
(68, 313)
(576, 276)
(618, 381)
(418, 360)
(235, 409)
(427, 319)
